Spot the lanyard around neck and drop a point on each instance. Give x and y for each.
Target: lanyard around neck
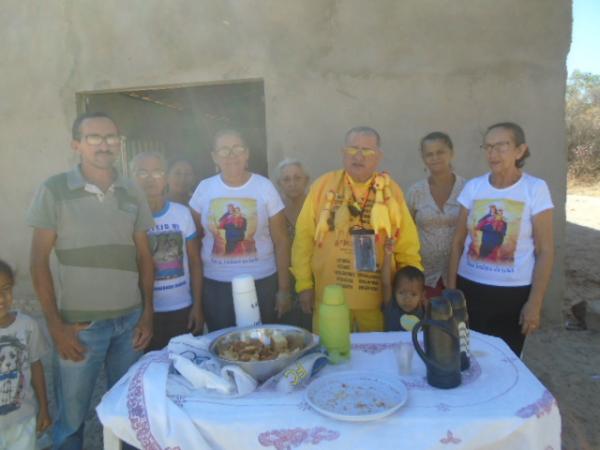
(356, 208)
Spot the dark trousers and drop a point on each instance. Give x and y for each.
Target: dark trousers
(217, 302)
(167, 325)
(496, 310)
(297, 317)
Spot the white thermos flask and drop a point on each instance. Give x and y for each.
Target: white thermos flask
(245, 301)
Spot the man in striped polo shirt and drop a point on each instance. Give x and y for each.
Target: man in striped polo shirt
(96, 222)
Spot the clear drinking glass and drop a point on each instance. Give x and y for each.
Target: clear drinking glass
(404, 355)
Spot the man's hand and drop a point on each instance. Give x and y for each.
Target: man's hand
(307, 300)
(143, 332)
(196, 320)
(283, 303)
(66, 340)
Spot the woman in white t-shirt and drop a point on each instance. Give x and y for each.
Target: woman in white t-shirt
(503, 247)
(433, 205)
(244, 233)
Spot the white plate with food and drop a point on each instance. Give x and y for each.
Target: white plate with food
(356, 396)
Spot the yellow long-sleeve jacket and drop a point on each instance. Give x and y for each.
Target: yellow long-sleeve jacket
(316, 265)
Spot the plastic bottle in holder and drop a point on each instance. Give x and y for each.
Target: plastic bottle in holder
(245, 301)
(334, 324)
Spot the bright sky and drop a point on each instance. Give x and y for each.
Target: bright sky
(585, 47)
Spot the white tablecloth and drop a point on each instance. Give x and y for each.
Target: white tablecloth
(499, 405)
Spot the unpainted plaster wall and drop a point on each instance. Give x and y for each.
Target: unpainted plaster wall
(405, 67)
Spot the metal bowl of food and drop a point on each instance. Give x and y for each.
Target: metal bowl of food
(263, 350)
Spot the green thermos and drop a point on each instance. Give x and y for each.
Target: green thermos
(334, 324)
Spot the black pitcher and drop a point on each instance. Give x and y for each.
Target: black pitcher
(461, 316)
(442, 347)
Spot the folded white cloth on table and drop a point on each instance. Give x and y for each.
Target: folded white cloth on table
(194, 362)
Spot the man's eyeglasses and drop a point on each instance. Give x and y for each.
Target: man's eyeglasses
(96, 139)
(365, 152)
(236, 150)
(501, 147)
(156, 174)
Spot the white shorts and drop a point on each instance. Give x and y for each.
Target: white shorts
(19, 437)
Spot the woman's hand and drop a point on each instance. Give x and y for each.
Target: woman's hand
(196, 319)
(283, 303)
(142, 333)
(544, 258)
(530, 317)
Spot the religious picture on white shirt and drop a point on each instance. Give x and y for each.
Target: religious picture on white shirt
(12, 356)
(232, 222)
(166, 244)
(494, 225)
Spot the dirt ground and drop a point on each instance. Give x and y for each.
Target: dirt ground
(567, 362)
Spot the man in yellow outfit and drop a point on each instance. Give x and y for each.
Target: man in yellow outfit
(336, 242)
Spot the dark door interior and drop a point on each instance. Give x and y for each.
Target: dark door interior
(181, 122)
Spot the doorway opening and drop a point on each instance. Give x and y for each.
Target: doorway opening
(181, 122)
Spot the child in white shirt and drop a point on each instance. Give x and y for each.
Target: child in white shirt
(21, 373)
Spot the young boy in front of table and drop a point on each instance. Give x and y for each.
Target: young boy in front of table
(404, 298)
(21, 346)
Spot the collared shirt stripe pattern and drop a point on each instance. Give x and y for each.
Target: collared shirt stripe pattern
(120, 257)
(98, 274)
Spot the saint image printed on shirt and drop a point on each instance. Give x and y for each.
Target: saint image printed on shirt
(233, 225)
(167, 252)
(494, 226)
(364, 252)
(12, 379)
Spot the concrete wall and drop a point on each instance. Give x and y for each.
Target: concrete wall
(405, 67)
